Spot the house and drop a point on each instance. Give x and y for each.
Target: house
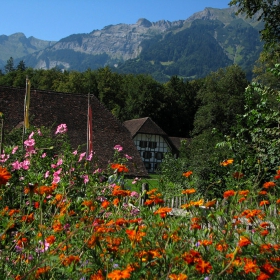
(151, 142)
(50, 109)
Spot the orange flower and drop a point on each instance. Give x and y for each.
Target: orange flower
(276, 177)
(119, 167)
(57, 226)
(278, 201)
(188, 191)
(268, 185)
(203, 266)
(5, 176)
(229, 193)
(226, 162)
(97, 276)
(187, 174)
(87, 203)
(163, 211)
(105, 204)
(180, 276)
(134, 235)
(262, 192)
(264, 202)
(191, 257)
(50, 239)
(118, 191)
(41, 270)
(244, 241)
(211, 203)
(119, 274)
(66, 261)
(28, 218)
(250, 266)
(244, 192)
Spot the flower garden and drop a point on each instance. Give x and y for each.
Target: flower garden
(62, 217)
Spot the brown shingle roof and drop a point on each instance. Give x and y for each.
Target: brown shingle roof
(143, 125)
(52, 108)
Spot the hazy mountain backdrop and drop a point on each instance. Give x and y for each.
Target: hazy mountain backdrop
(191, 48)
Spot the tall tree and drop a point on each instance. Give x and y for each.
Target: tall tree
(9, 67)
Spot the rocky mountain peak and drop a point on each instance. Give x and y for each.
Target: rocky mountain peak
(144, 22)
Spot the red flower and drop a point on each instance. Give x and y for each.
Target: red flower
(229, 193)
(203, 266)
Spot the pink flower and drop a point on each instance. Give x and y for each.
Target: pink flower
(61, 129)
(25, 164)
(135, 180)
(127, 156)
(98, 170)
(118, 148)
(31, 135)
(134, 194)
(86, 179)
(14, 150)
(47, 174)
(82, 156)
(75, 152)
(16, 165)
(39, 132)
(89, 156)
(59, 162)
(29, 142)
(4, 157)
(43, 247)
(43, 155)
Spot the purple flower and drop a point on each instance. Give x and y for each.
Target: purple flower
(61, 129)
(118, 148)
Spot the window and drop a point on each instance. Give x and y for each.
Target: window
(152, 145)
(143, 144)
(147, 165)
(159, 155)
(147, 155)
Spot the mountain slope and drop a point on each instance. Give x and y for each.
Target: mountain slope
(191, 48)
(18, 46)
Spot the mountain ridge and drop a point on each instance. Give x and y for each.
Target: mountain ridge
(122, 46)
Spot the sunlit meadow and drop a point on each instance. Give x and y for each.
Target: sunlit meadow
(62, 217)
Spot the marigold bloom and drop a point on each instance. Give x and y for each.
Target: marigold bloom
(180, 276)
(268, 185)
(226, 162)
(229, 193)
(134, 235)
(66, 261)
(117, 191)
(41, 270)
(264, 202)
(119, 274)
(250, 266)
(187, 174)
(191, 257)
(57, 226)
(188, 191)
(97, 276)
(119, 167)
(28, 218)
(244, 241)
(163, 211)
(211, 203)
(244, 192)
(276, 177)
(203, 266)
(105, 204)
(5, 176)
(268, 269)
(50, 239)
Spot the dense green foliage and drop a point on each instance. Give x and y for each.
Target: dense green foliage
(268, 11)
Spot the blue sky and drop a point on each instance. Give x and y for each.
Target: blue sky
(56, 19)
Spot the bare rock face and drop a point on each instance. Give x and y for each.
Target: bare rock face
(118, 41)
